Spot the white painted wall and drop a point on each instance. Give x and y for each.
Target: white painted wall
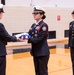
(0, 1)
(18, 2)
(45, 3)
(19, 19)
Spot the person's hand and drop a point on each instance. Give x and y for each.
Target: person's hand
(22, 40)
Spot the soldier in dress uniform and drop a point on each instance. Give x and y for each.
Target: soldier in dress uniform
(71, 40)
(4, 38)
(38, 40)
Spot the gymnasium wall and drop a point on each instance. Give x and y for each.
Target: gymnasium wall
(18, 19)
(45, 3)
(0, 1)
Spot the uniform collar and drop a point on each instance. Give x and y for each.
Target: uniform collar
(38, 23)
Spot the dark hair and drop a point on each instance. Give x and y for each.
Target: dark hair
(72, 12)
(44, 16)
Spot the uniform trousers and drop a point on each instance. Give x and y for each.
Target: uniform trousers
(72, 57)
(41, 65)
(2, 65)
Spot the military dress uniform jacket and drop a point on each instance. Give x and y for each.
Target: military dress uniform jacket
(71, 34)
(39, 35)
(4, 38)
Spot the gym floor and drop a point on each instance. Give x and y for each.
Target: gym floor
(20, 62)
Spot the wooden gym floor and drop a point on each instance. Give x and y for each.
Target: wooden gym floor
(19, 60)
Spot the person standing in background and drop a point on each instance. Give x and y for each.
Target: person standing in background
(71, 40)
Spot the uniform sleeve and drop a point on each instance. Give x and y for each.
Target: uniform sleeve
(41, 35)
(69, 35)
(4, 35)
(30, 30)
